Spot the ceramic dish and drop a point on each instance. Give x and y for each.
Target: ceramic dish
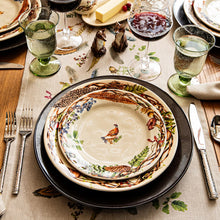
(208, 11)
(10, 10)
(189, 11)
(61, 164)
(18, 30)
(147, 193)
(91, 18)
(179, 13)
(12, 43)
(112, 134)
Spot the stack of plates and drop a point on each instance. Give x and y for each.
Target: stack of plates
(203, 13)
(113, 142)
(11, 34)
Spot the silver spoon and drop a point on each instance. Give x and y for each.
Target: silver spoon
(215, 128)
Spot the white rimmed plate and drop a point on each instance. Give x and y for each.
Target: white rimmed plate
(112, 134)
(208, 11)
(10, 10)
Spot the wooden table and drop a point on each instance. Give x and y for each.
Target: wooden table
(10, 81)
(211, 73)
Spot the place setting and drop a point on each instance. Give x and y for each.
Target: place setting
(115, 109)
(109, 134)
(58, 158)
(80, 136)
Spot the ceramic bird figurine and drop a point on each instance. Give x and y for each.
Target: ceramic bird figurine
(111, 134)
(98, 45)
(120, 43)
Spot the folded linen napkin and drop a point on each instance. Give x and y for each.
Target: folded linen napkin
(206, 91)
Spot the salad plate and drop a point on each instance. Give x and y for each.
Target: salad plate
(112, 134)
(189, 11)
(208, 11)
(60, 162)
(9, 13)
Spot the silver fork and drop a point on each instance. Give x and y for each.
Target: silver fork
(9, 136)
(26, 125)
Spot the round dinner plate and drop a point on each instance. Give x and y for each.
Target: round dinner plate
(208, 11)
(158, 187)
(10, 10)
(110, 134)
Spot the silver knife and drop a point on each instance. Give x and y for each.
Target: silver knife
(200, 143)
(6, 65)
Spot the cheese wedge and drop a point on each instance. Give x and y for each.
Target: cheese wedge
(109, 9)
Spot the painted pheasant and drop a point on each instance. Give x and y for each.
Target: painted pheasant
(111, 135)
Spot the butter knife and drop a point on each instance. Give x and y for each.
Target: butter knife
(200, 143)
(6, 65)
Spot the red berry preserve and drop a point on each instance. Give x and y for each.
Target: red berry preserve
(63, 5)
(149, 25)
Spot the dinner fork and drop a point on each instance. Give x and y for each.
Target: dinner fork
(26, 124)
(9, 136)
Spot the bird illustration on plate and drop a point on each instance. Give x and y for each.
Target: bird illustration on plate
(112, 135)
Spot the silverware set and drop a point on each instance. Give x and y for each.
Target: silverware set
(25, 129)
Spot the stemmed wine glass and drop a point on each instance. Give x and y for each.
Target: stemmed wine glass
(66, 39)
(39, 27)
(192, 46)
(149, 20)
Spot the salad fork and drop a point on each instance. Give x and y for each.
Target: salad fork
(26, 124)
(9, 136)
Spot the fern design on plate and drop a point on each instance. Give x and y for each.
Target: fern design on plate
(78, 143)
(138, 160)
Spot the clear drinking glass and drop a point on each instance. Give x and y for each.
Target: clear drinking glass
(192, 44)
(39, 27)
(66, 39)
(149, 20)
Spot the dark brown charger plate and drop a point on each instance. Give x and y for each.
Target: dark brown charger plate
(13, 42)
(145, 194)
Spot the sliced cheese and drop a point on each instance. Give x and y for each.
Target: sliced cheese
(109, 9)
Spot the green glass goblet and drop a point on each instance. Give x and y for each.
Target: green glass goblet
(39, 27)
(192, 44)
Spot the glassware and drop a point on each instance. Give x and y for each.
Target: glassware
(192, 46)
(149, 20)
(39, 27)
(66, 39)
